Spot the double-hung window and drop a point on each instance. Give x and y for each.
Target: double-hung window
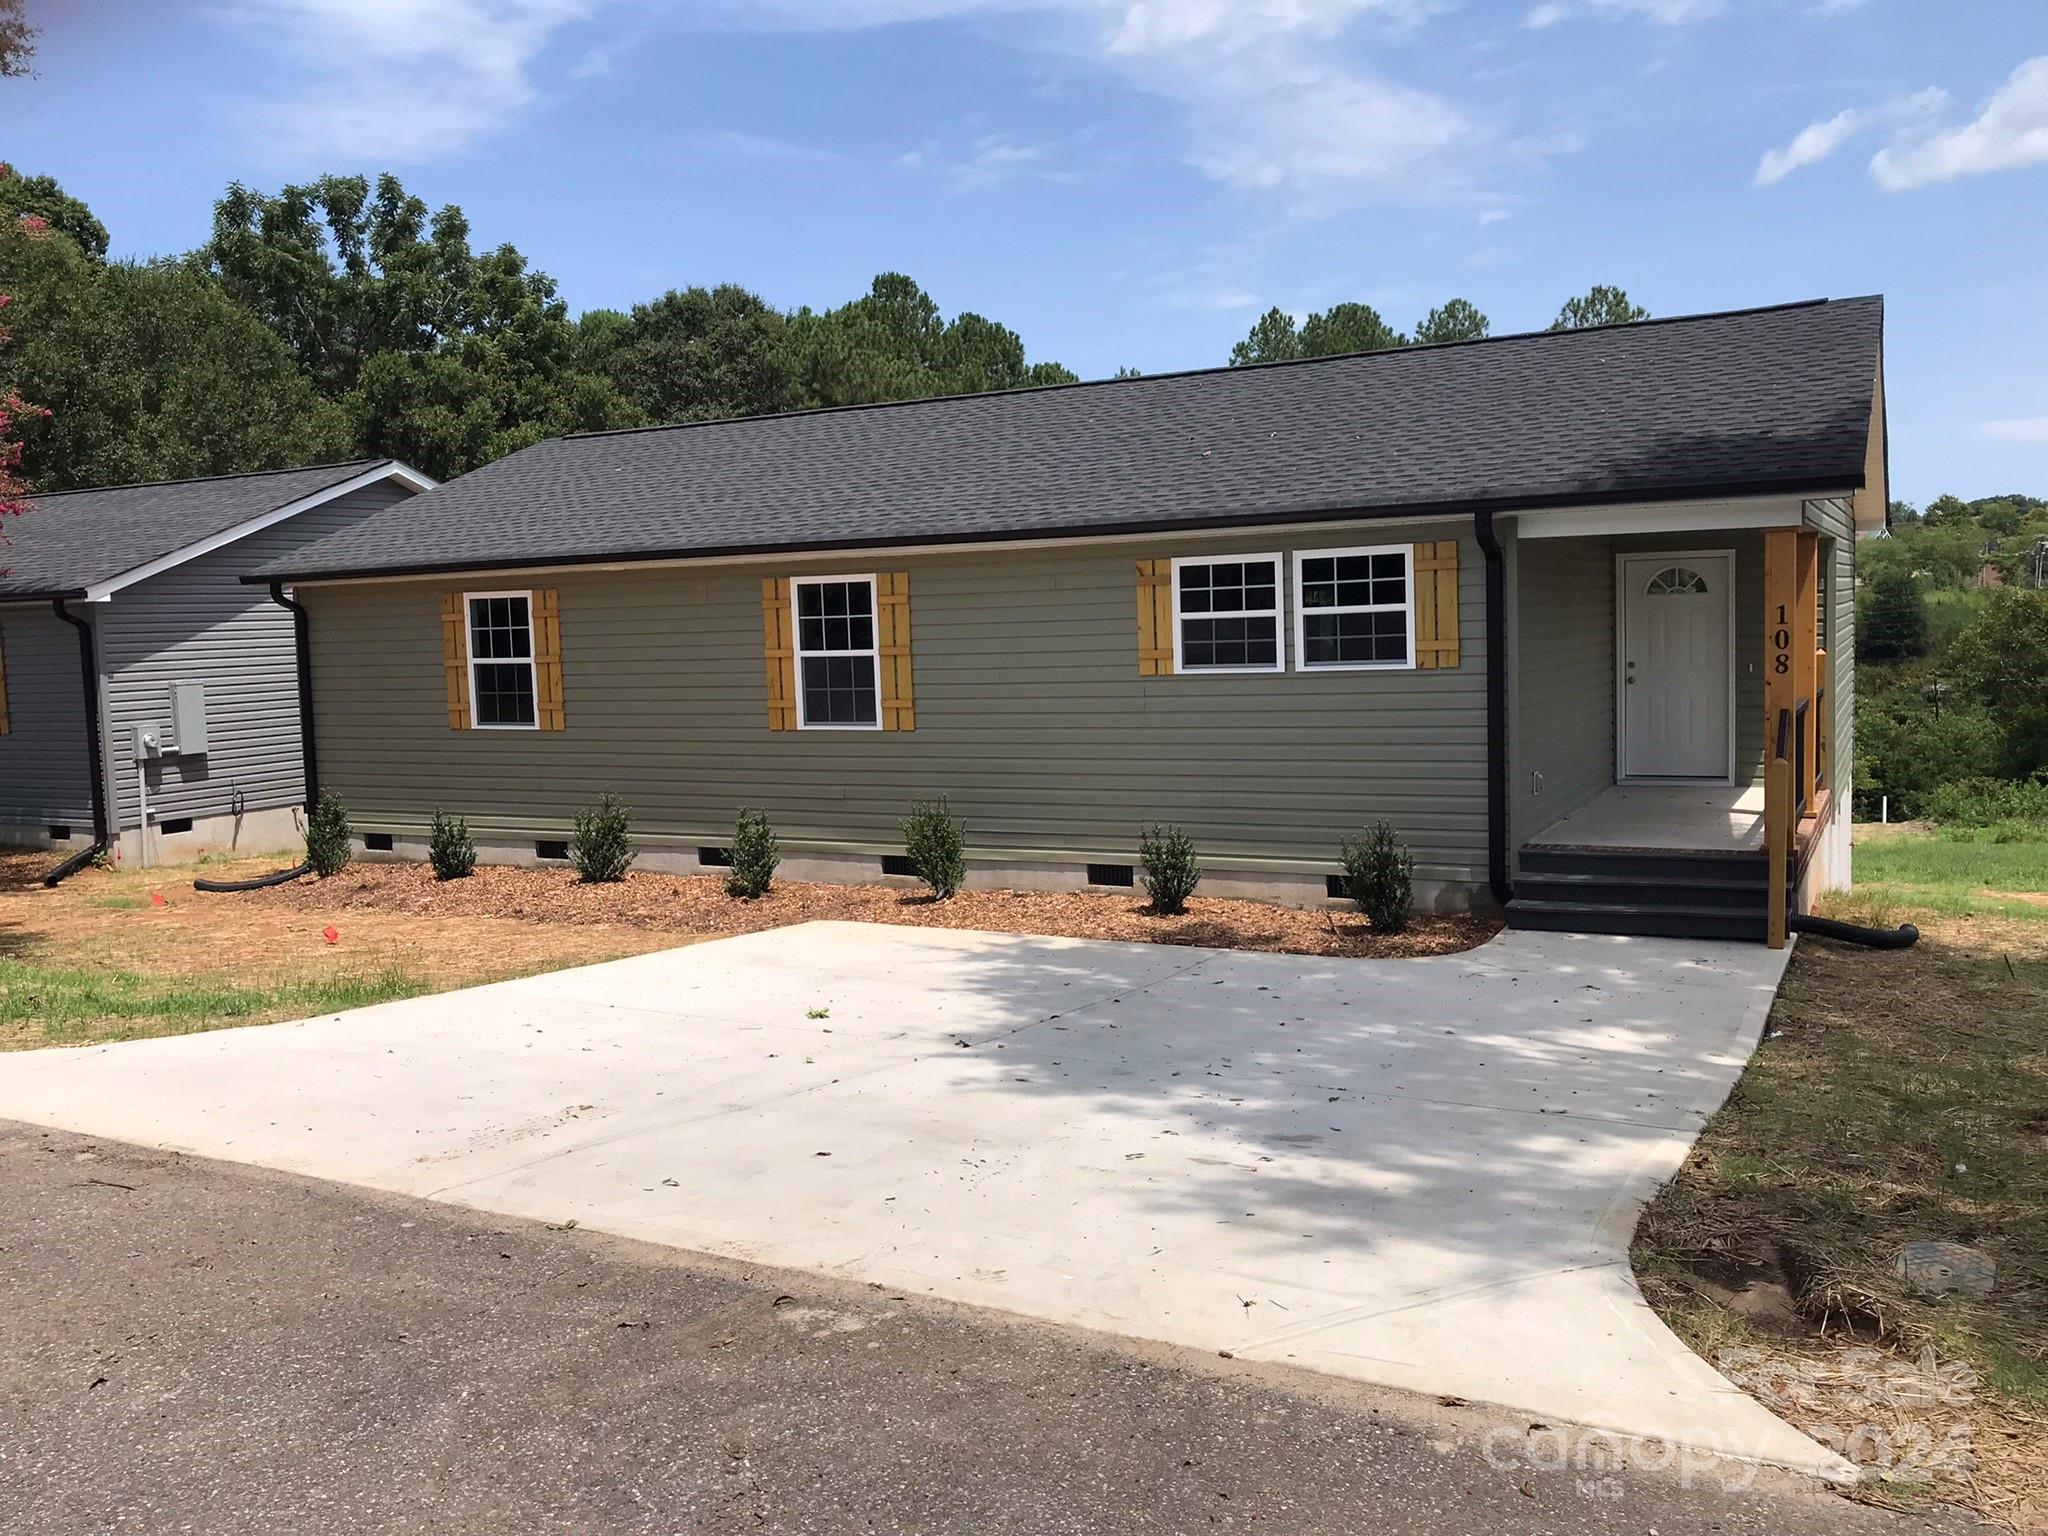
(1226, 614)
(1354, 609)
(838, 664)
(502, 684)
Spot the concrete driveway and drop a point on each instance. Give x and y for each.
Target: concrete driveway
(1420, 1173)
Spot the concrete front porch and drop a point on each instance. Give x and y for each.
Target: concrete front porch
(1691, 818)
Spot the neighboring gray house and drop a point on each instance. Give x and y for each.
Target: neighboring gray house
(128, 644)
(1571, 611)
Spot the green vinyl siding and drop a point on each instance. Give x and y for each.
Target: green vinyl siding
(1564, 679)
(1031, 717)
(1835, 519)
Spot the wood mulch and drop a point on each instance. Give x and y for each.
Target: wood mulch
(698, 905)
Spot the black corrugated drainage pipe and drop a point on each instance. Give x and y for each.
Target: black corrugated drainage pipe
(1905, 936)
(89, 671)
(302, 649)
(1496, 710)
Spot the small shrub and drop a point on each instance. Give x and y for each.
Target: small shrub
(449, 848)
(1171, 869)
(1379, 875)
(755, 853)
(602, 849)
(936, 845)
(327, 836)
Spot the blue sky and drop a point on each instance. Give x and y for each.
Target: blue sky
(1131, 181)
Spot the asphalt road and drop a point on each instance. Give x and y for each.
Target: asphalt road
(196, 1346)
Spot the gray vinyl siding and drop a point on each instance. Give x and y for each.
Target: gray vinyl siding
(1564, 690)
(1031, 718)
(199, 623)
(45, 765)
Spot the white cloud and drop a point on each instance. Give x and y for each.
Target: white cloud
(399, 80)
(1271, 91)
(1817, 141)
(1670, 13)
(2011, 132)
(1273, 94)
(1838, 7)
(2018, 429)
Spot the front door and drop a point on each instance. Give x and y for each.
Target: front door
(1677, 679)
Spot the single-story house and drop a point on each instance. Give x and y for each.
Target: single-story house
(1570, 611)
(149, 699)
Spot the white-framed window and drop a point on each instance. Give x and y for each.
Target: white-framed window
(838, 664)
(1226, 614)
(1354, 609)
(504, 693)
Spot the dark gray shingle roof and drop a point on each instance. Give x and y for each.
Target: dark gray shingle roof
(1774, 399)
(72, 540)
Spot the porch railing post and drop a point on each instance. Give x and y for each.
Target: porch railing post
(1783, 672)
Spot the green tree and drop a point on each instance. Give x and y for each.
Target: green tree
(1906, 748)
(893, 343)
(1599, 305)
(1946, 509)
(39, 197)
(699, 353)
(1348, 328)
(150, 372)
(1273, 339)
(1458, 320)
(441, 355)
(2001, 660)
(1891, 617)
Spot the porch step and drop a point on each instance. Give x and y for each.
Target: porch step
(1626, 889)
(1631, 865)
(1639, 919)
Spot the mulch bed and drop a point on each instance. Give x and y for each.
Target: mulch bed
(697, 904)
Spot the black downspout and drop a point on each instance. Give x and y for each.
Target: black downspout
(89, 669)
(1496, 710)
(302, 645)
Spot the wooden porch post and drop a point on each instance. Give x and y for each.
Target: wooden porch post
(1781, 683)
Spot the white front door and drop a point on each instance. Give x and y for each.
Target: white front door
(1677, 680)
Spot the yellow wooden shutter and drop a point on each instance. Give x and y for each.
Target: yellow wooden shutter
(1436, 604)
(547, 658)
(455, 658)
(779, 642)
(1155, 618)
(5, 724)
(892, 600)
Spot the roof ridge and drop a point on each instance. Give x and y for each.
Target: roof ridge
(242, 474)
(1196, 373)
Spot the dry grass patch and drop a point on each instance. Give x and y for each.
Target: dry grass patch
(123, 955)
(1897, 1096)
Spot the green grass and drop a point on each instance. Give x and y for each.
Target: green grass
(53, 1005)
(1949, 871)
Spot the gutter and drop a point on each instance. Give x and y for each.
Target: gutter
(302, 647)
(1496, 710)
(89, 669)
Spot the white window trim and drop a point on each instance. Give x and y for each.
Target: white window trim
(1301, 611)
(873, 652)
(470, 657)
(1278, 613)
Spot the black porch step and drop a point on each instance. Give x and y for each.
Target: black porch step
(1638, 919)
(1602, 889)
(1631, 864)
